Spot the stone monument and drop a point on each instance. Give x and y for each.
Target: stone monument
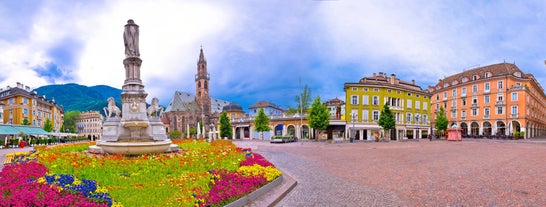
(134, 129)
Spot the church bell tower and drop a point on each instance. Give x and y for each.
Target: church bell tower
(202, 79)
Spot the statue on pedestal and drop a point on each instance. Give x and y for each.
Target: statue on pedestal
(130, 37)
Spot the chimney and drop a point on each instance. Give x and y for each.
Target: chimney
(27, 88)
(375, 74)
(19, 85)
(413, 82)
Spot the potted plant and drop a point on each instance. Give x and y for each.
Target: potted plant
(1, 143)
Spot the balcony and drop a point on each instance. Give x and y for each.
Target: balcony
(474, 105)
(485, 116)
(463, 118)
(486, 92)
(499, 103)
(514, 116)
(463, 95)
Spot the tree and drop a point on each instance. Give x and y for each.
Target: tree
(48, 126)
(25, 121)
(174, 134)
(386, 120)
(70, 119)
(318, 116)
(303, 100)
(441, 120)
(261, 122)
(225, 126)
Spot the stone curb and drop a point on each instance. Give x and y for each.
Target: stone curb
(268, 195)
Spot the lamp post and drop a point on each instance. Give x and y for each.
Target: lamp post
(353, 119)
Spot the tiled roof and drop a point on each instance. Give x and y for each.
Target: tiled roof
(335, 101)
(499, 69)
(264, 104)
(183, 101)
(382, 79)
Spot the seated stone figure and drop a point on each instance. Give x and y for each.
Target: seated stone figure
(154, 109)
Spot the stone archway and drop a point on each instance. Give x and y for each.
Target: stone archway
(291, 130)
(486, 128)
(501, 128)
(516, 127)
(464, 128)
(474, 128)
(305, 132)
(278, 130)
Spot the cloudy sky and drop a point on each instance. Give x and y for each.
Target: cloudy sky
(260, 50)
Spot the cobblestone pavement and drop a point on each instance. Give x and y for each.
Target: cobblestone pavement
(5, 151)
(437, 173)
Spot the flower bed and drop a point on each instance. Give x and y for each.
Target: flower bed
(204, 174)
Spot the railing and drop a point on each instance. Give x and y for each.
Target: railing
(474, 105)
(513, 115)
(485, 116)
(499, 103)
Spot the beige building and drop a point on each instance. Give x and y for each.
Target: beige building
(90, 125)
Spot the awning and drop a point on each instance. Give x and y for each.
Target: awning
(8, 130)
(15, 130)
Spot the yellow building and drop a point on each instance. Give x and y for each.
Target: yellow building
(20, 102)
(409, 104)
(90, 125)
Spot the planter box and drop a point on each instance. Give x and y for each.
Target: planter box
(257, 193)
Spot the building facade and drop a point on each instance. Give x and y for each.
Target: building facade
(90, 124)
(498, 99)
(409, 104)
(185, 110)
(270, 109)
(22, 103)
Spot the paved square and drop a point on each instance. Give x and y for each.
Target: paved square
(437, 173)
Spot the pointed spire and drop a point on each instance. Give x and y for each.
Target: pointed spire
(201, 55)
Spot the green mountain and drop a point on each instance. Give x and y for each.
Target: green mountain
(78, 97)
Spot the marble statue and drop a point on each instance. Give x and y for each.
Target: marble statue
(112, 108)
(130, 37)
(154, 108)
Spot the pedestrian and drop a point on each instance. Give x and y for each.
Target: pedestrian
(430, 138)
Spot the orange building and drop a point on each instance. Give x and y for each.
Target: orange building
(497, 99)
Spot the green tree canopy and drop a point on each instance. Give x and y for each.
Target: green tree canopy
(70, 119)
(441, 120)
(261, 122)
(48, 126)
(302, 102)
(225, 126)
(318, 116)
(25, 121)
(386, 119)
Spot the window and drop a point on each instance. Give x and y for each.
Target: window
(408, 117)
(486, 99)
(376, 89)
(515, 109)
(375, 115)
(365, 115)
(425, 105)
(389, 91)
(417, 116)
(365, 89)
(499, 97)
(486, 111)
(500, 110)
(454, 92)
(437, 97)
(463, 113)
(453, 103)
(354, 115)
(409, 104)
(475, 89)
(25, 111)
(499, 85)
(518, 74)
(25, 101)
(475, 112)
(445, 95)
(34, 102)
(375, 101)
(354, 89)
(365, 100)
(487, 75)
(463, 102)
(514, 96)
(425, 118)
(474, 77)
(11, 101)
(463, 92)
(417, 104)
(475, 100)
(486, 86)
(454, 114)
(354, 100)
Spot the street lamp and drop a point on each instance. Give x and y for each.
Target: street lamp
(353, 118)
